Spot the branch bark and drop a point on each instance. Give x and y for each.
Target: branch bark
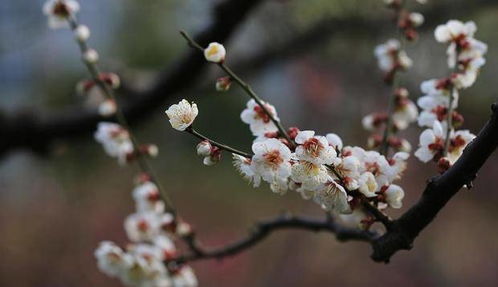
(438, 192)
(400, 233)
(262, 230)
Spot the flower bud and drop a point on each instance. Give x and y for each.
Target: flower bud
(149, 149)
(223, 84)
(443, 164)
(91, 56)
(293, 131)
(215, 53)
(204, 148)
(107, 108)
(82, 33)
(214, 157)
(110, 79)
(416, 19)
(183, 229)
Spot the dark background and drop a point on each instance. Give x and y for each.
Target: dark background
(55, 209)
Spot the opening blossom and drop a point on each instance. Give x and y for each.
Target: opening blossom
(465, 58)
(151, 231)
(215, 53)
(182, 115)
(271, 161)
(115, 140)
(58, 12)
(314, 149)
(390, 56)
(258, 120)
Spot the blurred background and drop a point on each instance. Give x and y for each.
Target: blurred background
(55, 208)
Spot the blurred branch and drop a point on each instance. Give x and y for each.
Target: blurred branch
(400, 233)
(358, 27)
(263, 229)
(31, 130)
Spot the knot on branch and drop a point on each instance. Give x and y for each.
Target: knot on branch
(389, 243)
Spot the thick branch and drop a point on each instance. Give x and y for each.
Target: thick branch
(438, 192)
(262, 230)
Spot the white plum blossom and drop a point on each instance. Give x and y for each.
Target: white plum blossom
(182, 115)
(185, 277)
(309, 175)
(453, 30)
(143, 226)
(59, 11)
(258, 120)
(244, 167)
(367, 184)
(394, 195)
(458, 141)
(315, 149)
(111, 259)
(431, 143)
(271, 161)
(405, 113)
(334, 141)
(348, 169)
(115, 140)
(333, 197)
(434, 108)
(390, 56)
(147, 198)
(215, 52)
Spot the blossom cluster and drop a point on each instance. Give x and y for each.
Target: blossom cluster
(151, 231)
(440, 142)
(392, 59)
(61, 14)
(318, 167)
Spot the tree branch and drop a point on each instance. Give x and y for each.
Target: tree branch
(400, 233)
(438, 192)
(36, 132)
(262, 230)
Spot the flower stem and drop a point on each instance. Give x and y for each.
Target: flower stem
(245, 87)
(120, 117)
(193, 132)
(449, 120)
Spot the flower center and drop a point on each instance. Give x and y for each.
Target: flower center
(313, 147)
(273, 158)
(261, 114)
(60, 9)
(440, 112)
(143, 226)
(372, 167)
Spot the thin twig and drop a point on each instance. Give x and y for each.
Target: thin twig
(120, 117)
(384, 146)
(193, 132)
(246, 87)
